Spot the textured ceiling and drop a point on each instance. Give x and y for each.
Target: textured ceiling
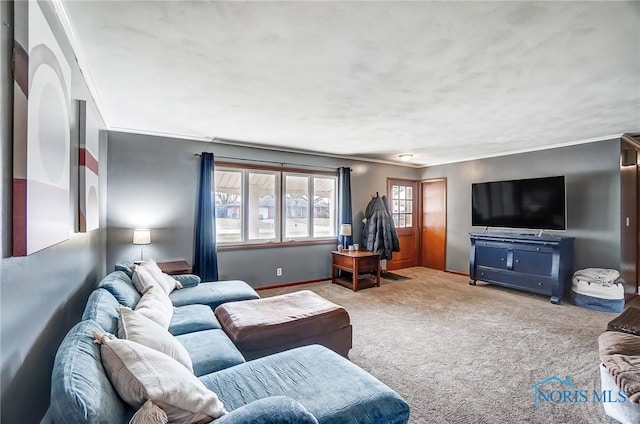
(446, 81)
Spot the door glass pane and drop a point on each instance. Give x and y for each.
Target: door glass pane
(324, 198)
(262, 206)
(296, 207)
(228, 206)
(402, 205)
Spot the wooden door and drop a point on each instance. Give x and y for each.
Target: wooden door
(403, 203)
(434, 224)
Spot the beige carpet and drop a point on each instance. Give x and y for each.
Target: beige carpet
(464, 354)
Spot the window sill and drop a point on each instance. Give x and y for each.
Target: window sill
(248, 246)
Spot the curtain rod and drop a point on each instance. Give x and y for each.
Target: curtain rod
(272, 162)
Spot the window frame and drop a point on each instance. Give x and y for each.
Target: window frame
(404, 230)
(280, 204)
(246, 184)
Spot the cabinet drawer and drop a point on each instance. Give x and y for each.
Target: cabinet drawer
(491, 275)
(532, 262)
(343, 261)
(368, 264)
(492, 257)
(544, 248)
(541, 285)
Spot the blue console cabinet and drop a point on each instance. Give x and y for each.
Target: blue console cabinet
(542, 265)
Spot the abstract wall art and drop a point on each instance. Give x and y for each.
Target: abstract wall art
(41, 160)
(89, 187)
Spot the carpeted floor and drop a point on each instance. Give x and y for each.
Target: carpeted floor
(465, 354)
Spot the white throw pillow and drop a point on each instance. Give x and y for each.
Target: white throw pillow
(142, 279)
(148, 273)
(136, 327)
(139, 374)
(167, 282)
(156, 305)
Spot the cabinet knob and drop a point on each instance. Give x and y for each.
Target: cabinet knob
(539, 284)
(537, 248)
(502, 259)
(517, 261)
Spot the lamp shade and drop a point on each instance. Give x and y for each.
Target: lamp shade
(345, 229)
(141, 236)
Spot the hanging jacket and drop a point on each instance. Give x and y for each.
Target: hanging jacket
(395, 242)
(379, 232)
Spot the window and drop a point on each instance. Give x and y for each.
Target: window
(228, 206)
(262, 210)
(256, 206)
(402, 205)
(296, 216)
(324, 207)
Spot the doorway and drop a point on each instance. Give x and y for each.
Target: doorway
(434, 224)
(630, 212)
(403, 204)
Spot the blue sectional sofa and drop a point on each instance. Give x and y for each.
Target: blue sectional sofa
(311, 384)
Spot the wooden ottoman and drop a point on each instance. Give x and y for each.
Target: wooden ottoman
(261, 327)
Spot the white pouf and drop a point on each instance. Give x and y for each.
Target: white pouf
(601, 297)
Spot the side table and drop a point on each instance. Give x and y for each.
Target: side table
(175, 267)
(355, 262)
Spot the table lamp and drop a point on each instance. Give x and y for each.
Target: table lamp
(141, 237)
(345, 231)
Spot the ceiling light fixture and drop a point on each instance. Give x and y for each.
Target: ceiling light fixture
(405, 157)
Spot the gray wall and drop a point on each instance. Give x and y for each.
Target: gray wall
(153, 184)
(42, 295)
(593, 198)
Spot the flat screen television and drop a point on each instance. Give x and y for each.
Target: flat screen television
(534, 203)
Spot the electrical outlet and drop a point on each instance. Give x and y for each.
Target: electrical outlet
(278, 272)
